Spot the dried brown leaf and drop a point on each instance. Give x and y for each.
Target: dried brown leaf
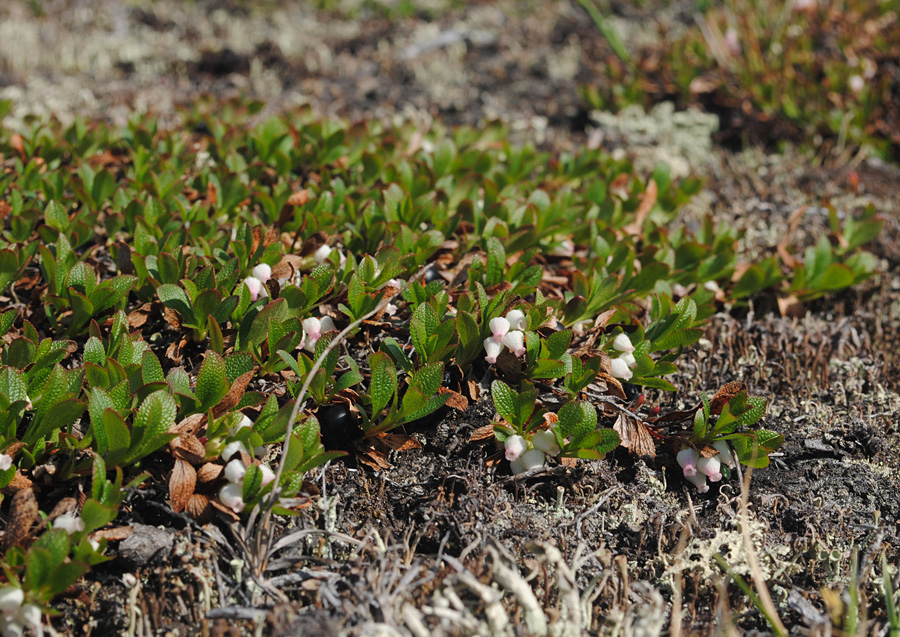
(23, 513)
(234, 394)
(209, 472)
(456, 401)
(636, 227)
(117, 533)
(181, 485)
(482, 433)
(635, 436)
(199, 508)
(725, 394)
(189, 448)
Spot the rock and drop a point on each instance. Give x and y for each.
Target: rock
(145, 544)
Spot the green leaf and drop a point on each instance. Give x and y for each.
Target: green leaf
(151, 370)
(211, 381)
(383, 385)
(56, 217)
(156, 414)
(174, 297)
(505, 401)
(558, 342)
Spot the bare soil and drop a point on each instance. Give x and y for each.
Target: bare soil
(449, 542)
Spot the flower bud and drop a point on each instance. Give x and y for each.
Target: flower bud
(629, 359)
(545, 441)
(499, 328)
(726, 455)
(619, 369)
(623, 344)
(11, 598)
(263, 272)
(710, 467)
(267, 474)
(517, 320)
(699, 481)
(69, 523)
(515, 341)
(493, 349)
(5, 461)
(688, 458)
(232, 496)
(232, 448)
(532, 459)
(322, 254)
(254, 285)
(515, 446)
(235, 471)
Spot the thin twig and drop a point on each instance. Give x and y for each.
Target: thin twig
(264, 533)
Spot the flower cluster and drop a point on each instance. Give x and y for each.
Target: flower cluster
(506, 332)
(237, 446)
(256, 282)
(622, 365)
(232, 494)
(698, 469)
(15, 615)
(524, 455)
(313, 328)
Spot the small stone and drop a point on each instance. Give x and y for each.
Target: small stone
(145, 544)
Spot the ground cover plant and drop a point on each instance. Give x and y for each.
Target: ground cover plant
(332, 352)
(156, 278)
(774, 71)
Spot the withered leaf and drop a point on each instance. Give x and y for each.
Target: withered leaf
(188, 447)
(457, 401)
(482, 433)
(199, 508)
(18, 483)
(209, 472)
(399, 442)
(635, 436)
(190, 425)
(23, 512)
(181, 485)
(66, 505)
(234, 394)
(118, 533)
(725, 394)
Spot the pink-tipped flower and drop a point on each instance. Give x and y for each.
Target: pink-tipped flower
(255, 286)
(515, 341)
(515, 446)
(699, 481)
(711, 467)
(499, 328)
(726, 455)
(235, 471)
(5, 461)
(263, 272)
(619, 369)
(232, 496)
(687, 459)
(623, 344)
(545, 441)
(313, 328)
(629, 360)
(517, 320)
(493, 349)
